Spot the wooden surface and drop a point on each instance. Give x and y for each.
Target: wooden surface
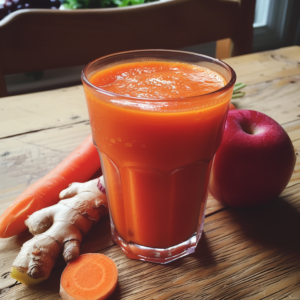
(69, 38)
(244, 254)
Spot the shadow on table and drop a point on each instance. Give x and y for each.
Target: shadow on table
(143, 276)
(203, 254)
(49, 287)
(276, 225)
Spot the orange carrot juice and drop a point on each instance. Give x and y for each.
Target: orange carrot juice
(157, 126)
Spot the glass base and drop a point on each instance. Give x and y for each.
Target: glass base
(157, 255)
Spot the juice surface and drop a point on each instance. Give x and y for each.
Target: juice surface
(157, 155)
(158, 80)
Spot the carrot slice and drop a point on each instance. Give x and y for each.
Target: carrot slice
(90, 276)
(79, 166)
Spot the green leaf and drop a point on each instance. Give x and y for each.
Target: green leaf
(122, 3)
(238, 87)
(74, 4)
(237, 95)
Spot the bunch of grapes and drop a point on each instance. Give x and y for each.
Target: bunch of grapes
(12, 5)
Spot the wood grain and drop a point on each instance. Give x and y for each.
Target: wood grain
(244, 254)
(279, 99)
(26, 158)
(266, 66)
(296, 174)
(98, 238)
(223, 48)
(293, 130)
(9, 248)
(42, 110)
(31, 112)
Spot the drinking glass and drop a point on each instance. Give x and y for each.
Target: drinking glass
(156, 156)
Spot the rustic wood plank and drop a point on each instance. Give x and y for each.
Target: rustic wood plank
(9, 248)
(238, 259)
(293, 129)
(31, 112)
(296, 174)
(213, 206)
(98, 238)
(26, 158)
(223, 49)
(266, 66)
(279, 99)
(33, 155)
(244, 254)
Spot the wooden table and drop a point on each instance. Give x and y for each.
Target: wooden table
(244, 254)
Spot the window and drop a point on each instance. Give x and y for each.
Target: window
(272, 24)
(261, 13)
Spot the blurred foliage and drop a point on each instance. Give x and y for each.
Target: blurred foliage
(75, 4)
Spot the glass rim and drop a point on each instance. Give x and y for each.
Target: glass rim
(111, 94)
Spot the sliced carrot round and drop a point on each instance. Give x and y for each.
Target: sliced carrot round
(90, 276)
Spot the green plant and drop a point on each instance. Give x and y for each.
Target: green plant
(236, 90)
(75, 4)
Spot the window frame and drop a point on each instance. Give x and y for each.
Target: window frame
(273, 34)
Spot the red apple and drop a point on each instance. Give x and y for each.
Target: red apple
(255, 161)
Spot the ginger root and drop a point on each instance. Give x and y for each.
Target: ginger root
(59, 227)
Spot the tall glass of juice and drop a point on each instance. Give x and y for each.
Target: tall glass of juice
(157, 119)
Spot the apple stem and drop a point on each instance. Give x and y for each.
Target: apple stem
(247, 128)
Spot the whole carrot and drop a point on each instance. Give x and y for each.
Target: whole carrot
(79, 166)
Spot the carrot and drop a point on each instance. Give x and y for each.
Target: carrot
(231, 106)
(79, 166)
(90, 276)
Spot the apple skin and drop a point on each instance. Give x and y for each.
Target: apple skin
(254, 162)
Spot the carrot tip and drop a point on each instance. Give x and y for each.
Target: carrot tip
(232, 106)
